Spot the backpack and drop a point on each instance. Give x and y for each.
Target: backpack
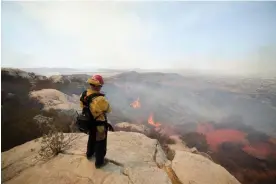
(86, 120)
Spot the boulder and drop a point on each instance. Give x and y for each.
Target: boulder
(194, 168)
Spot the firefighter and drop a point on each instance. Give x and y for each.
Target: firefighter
(99, 106)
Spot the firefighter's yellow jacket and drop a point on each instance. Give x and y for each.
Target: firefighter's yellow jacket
(98, 107)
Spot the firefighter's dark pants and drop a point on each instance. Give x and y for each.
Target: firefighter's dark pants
(96, 147)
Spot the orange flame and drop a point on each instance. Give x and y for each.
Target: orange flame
(151, 121)
(136, 104)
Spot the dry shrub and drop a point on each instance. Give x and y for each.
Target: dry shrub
(18, 110)
(55, 142)
(171, 141)
(61, 120)
(169, 152)
(54, 139)
(162, 138)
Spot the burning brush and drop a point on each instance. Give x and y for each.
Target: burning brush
(136, 104)
(151, 121)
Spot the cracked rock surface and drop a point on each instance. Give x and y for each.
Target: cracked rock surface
(133, 158)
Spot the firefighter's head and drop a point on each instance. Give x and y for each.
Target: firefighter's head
(96, 82)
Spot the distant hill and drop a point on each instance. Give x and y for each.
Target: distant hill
(70, 71)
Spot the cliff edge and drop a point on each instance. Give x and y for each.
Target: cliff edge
(132, 158)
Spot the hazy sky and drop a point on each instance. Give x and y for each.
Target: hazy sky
(203, 35)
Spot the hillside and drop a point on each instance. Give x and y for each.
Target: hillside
(22, 96)
(198, 98)
(176, 99)
(218, 117)
(132, 158)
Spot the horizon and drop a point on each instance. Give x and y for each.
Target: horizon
(221, 37)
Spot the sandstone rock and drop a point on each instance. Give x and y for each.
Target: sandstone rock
(132, 127)
(19, 159)
(52, 98)
(178, 145)
(132, 159)
(57, 78)
(194, 150)
(194, 168)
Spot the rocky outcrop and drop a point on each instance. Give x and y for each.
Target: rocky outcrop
(132, 158)
(132, 127)
(194, 168)
(57, 78)
(178, 144)
(52, 98)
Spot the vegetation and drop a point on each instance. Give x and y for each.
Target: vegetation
(164, 141)
(55, 142)
(246, 169)
(66, 87)
(18, 126)
(62, 121)
(18, 112)
(162, 138)
(169, 152)
(255, 137)
(197, 140)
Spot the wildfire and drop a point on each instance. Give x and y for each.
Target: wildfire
(151, 121)
(136, 104)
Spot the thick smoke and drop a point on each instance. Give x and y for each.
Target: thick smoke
(175, 99)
